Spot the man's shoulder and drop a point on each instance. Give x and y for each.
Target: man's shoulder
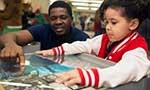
(40, 26)
(43, 25)
(75, 31)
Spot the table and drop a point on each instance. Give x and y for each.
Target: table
(87, 61)
(143, 84)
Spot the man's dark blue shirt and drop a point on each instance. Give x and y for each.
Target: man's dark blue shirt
(48, 39)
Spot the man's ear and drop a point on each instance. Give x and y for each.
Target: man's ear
(134, 24)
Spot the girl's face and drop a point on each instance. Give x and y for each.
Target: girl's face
(117, 26)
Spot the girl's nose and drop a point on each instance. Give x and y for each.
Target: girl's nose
(108, 27)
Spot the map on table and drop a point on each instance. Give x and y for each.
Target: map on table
(40, 72)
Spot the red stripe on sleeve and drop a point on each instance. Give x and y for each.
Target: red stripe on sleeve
(95, 71)
(54, 50)
(62, 50)
(58, 51)
(81, 76)
(90, 80)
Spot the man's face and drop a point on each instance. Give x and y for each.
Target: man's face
(60, 20)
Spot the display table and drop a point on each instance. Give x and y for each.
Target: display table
(43, 66)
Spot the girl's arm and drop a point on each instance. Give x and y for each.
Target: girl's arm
(88, 46)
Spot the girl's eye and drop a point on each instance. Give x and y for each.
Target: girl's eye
(113, 23)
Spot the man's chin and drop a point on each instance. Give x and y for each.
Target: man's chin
(60, 33)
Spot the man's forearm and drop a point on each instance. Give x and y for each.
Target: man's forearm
(7, 39)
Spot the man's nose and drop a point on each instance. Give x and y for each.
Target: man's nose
(58, 21)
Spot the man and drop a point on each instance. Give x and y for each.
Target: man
(58, 31)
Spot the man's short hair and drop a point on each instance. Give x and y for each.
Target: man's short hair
(61, 4)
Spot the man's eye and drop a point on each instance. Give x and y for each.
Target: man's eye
(63, 17)
(53, 18)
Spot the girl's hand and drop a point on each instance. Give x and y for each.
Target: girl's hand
(69, 78)
(45, 52)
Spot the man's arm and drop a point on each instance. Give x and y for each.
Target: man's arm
(21, 38)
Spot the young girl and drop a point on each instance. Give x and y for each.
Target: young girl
(121, 44)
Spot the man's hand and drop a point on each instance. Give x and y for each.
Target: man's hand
(14, 53)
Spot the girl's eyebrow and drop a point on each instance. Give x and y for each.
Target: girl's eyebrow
(109, 19)
(113, 19)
